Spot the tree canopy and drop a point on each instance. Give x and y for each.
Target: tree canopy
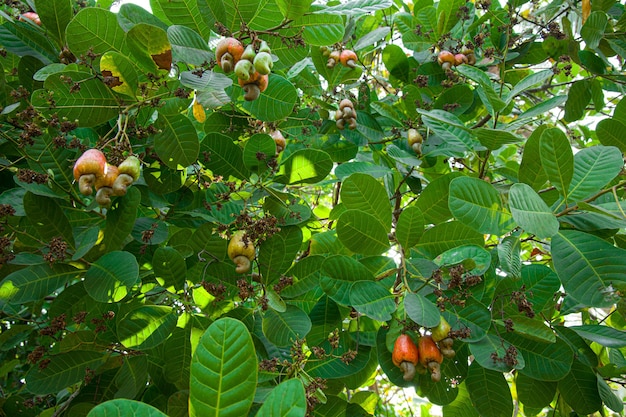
(277, 207)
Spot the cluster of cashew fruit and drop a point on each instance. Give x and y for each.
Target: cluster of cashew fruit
(428, 354)
(92, 170)
(251, 67)
(346, 115)
(241, 251)
(448, 60)
(347, 57)
(415, 140)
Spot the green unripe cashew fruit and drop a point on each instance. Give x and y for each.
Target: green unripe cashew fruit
(263, 63)
(441, 331)
(249, 53)
(129, 172)
(244, 69)
(241, 251)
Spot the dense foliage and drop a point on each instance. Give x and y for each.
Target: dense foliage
(487, 191)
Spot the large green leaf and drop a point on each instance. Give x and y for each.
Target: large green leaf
(447, 12)
(603, 335)
(339, 273)
(35, 282)
(490, 352)
(124, 407)
(580, 389)
(275, 103)
(225, 158)
(593, 168)
(534, 393)
(111, 276)
(293, 9)
(477, 204)
(486, 91)
(557, 159)
(589, 267)
(121, 71)
(146, 326)
(97, 30)
(177, 350)
(48, 218)
(444, 236)
(278, 252)
(462, 405)
(357, 7)
(362, 192)
(373, 300)
(531, 212)
(23, 39)
(610, 133)
(531, 171)
(593, 29)
(78, 96)
(120, 219)
(169, 265)
(223, 371)
(578, 97)
(362, 232)
(63, 370)
(410, 227)
(187, 13)
(282, 329)
(320, 29)
(489, 392)
(55, 15)
(177, 141)
(150, 47)
(433, 201)
(188, 46)
(287, 399)
(421, 310)
(306, 166)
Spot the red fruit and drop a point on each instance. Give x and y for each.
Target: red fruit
(90, 166)
(227, 53)
(445, 59)
(460, 59)
(348, 58)
(34, 17)
(254, 86)
(405, 356)
(279, 139)
(430, 356)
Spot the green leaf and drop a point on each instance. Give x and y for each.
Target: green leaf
(169, 265)
(48, 218)
(287, 399)
(579, 389)
(362, 192)
(610, 133)
(150, 47)
(447, 12)
(23, 39)
(362, 232)
(410, 227)
(111, 277)
(534, 393)
(64, 370)
(449, 128)
(531, 171)
(603, 335)
(124, 407)
(433, 200)
(493, 139)
(531, 212)
(358, 7)
(373, 300)
(477, 204)
(485, 87)
(489, 392)
(278, 252)
(188, 46)
(177, 141)
(578, 97)
(609, 397)
(96, 30)
(339, 273)
(421, 310)
(461, 406)
(120, 220)
(283, 328)
(589, 267)
(320, 29)
(509, 251)
(187, 13)
(475, 259)
(275, 103)
(449, 235)
(593, 29)
(474, 316)
(91, 105)
(594, 168)
(130, 15)
(55, 15)
(225, 157)
(293, 9)
(305, 166)
(178, 349)
(484, 350)
(544, 361)
(223, 371)
(557, 159)
(146, 327)
(460, 96)
(529, 81)
(35, 282)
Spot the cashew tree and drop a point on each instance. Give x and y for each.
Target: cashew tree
(329, 208)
